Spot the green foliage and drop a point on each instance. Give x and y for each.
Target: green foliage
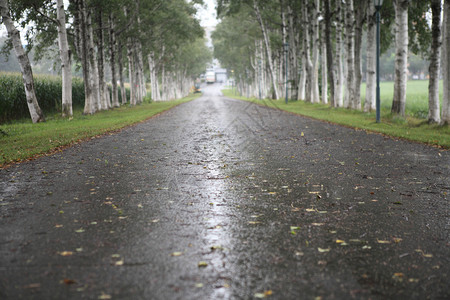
(23, 140)
(48, 88)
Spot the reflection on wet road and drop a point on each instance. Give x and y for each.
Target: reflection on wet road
(223, 199)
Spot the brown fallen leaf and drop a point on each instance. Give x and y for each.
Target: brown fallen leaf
(69, 281)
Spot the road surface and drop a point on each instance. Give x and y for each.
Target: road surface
(223, 199)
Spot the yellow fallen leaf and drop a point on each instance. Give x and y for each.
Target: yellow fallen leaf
(340, 241)
(397, 240)
(58, 226)
(104, 296)
(176, 254)
(302, 134)
(119, 263)
(268, 293)
(254, 222)
(321, 250)
(310, 209)
(65, 253)
(317, 224)
(115, 255)
(199, 285)
(202, 264)
(383, 242)
(79, 230)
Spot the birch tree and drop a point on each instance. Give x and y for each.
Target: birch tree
(401, 56)
(434, 68)
(445, 119)
(25, 66)
(369, 103)
(66, 66)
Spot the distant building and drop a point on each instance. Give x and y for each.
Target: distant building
(221, 75)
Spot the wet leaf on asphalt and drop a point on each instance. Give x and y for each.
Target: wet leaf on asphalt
(423, 253)
(119, 263)
(202, 264)
(398, 276)
(317, 224)
(294, 229)
(254, 222)
(263, 295)
(115, 255)
(177, 253)
(79, 230)
(65, 253)
(104, 296)
(322, 250)
(383, 241)
(340, 241)
(69, 281)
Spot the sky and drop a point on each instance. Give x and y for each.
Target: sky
(208, 16)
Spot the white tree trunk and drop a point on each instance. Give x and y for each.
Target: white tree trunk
(434, 68)
(371, 50)
(112, 54)
(315, 97)
(123, 92)
(340, 80)
(25, 66)
(93, 67)
(324, 66)
(401, 56)
(268, 49)
(66, 69)
(349, 99)
(445, 119)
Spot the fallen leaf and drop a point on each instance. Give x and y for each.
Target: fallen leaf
(317, 224)
(321, 250)
(310, 209)
(69, 281)
(383, 242)
(119, 263)
(115, 255)
(339, 241)
(104, 296)
(202, 264)
(254, 222)
(366, 247)
(176, 254)
(397, 240)
(65, 253)
(58, 226)
(79, 230)
(199, 285)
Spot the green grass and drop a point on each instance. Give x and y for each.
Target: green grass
(416, 96)
(22, 140)
(411, 128)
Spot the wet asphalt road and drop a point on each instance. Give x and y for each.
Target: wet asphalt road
(222, 199)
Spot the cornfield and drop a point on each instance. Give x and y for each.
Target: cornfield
(48, 88)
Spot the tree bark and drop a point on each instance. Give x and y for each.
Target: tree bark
(434, 68)
(104, 103)
(329, 53)
(349, 99)
(112, 54)
(339, 56)
(25, 66)
(92, 65)
(445, 119)
(324, 65)
(66, 69)
(315, 97)
(401, 56)
(268, 48)
(123, 93)
(371, 79)
(360, 17)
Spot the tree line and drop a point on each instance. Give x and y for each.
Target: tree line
(323, 42)
(140, 40)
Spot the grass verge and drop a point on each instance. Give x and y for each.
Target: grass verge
(23, 140)
(411, 128)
